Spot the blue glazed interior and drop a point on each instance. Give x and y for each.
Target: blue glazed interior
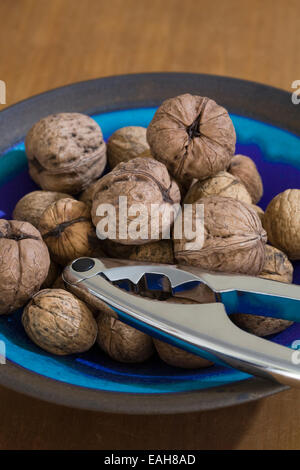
(277, 155)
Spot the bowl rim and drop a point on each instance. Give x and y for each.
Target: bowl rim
(35, 385)
(271, 105)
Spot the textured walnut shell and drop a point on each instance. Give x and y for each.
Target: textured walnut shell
(223, 184)
(32, 205)
(88, 194)
(59, 323)
(259, 212)
(178, 357)
(122, 342)
(117, 250)
(277, 267)
(258, 325)
(68, 231)
(24, 263)
(282, 222)
(93, 303)
(184, 185)
(83, 295)
(143, 181)
(66, 152)
(155, 252)
(125, 144)
(53, 273)
(193, 136)
(146, 153)
(234, 240)
(245, 169)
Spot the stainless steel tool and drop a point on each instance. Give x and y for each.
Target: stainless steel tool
(203, 329)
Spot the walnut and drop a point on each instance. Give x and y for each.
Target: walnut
(82, 295)
(185, 185)
(282, 222)
(155, 252)
(125, 144)
(259, 212)
(68, 231)
(117, 250)
(223, 184)
(24, 263)
(277, 267)
(258, 325)
(245, 169)
(142, 181)
(88, 194)
(94, 304)
(53, 273)
(122, 342)
(32, 205)
(59, 323)
(193, 136)
(234, 240)
(178, 357)
(66, 152)
(146, 153)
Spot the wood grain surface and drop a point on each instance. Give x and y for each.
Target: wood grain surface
(48, 43)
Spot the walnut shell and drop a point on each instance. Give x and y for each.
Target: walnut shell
(178, 357)
(146, 153)
(245, 169)
(117, 250)
(59, 323)
(223, 184)
(88, 194)
(68, 231)
(259, 212)
(258, 325)
(94, 304)
(66, 152)
(282, 222)
(83, 296)
(156, 252)
(24, 263)
(277, 267)
(184, 185)
(32, 205)
(193, 136)
(142, 181)
(234, 240)
(122, 342)
(125, 144)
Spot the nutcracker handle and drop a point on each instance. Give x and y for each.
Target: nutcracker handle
(201, 329)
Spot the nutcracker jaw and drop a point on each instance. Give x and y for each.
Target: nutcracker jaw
(202, 329)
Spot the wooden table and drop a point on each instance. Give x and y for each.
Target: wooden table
(46, 44)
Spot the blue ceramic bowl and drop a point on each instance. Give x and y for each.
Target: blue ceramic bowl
(267, 132)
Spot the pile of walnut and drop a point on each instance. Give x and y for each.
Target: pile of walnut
(185, 156)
